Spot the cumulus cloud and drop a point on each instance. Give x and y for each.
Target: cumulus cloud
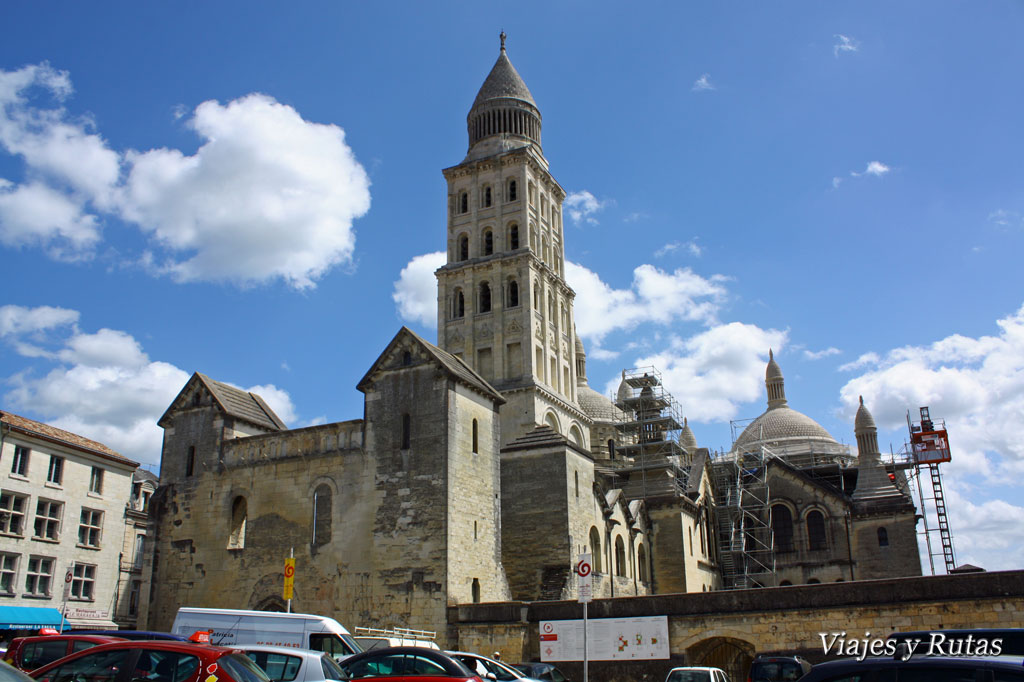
(715, 371)
(989, 534)
(582, 206)
(703, 83)
(819, 354)
(977, 384)
(103, 385)
(654, 296)
(415, 292)
(267, 196)
(844, 44)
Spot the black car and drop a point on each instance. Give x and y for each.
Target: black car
(964, 642)
(778, 669)
(919, 669)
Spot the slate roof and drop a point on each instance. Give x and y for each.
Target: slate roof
(73, 440)
(503, 82)
(242, 404)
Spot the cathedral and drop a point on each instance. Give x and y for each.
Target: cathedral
(484, 464)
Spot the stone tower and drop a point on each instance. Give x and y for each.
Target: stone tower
(503, 304)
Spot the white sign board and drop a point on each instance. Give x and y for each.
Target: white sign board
(585, 579)
(608, 639)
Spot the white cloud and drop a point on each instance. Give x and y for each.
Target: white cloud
(989, 534)
(104, 386)
(37, 215)
(876, 168)
(268, 195)
(863, 361)
(582, 206)
(415, 291)
(1004, 218)
(703, 83)
(691, 246)
(836, 181)
(712, 373)
(975, 384)
(819, 354)
(844, 44)
(654, 296)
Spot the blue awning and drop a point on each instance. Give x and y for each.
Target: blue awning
(28, 617)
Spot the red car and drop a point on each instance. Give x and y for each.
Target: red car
(407, 664)
(29, 653)
(153, 661)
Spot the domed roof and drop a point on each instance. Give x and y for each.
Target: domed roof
(503, 82)
(773, 371)
(686, 437)
(864, 421)
(596, 406)
(625, 391)
(782, 423)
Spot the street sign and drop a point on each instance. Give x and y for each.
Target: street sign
(585, 579)
(289, 577)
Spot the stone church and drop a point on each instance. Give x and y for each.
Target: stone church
(483, 465)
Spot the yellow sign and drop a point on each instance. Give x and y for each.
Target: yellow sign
(289, 577)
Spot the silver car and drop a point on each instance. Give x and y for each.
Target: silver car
(490, 669)
(285, 664)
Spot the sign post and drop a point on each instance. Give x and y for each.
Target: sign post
(68, 577)
(289, 578)
(585, 592)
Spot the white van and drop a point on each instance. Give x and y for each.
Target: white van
(229, 627)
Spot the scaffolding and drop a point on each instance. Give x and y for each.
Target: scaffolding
(746, 551)
(929, 447)
(649, 426)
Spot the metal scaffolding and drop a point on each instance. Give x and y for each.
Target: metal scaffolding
(747, 553)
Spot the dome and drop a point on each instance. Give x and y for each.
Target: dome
(864, 421)
(686, 438)
(596, 406)
(625, 391)
(783, 423)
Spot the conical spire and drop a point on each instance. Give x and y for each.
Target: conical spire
(687, 439)
(503, 112)
(774, 383)
(873, 482)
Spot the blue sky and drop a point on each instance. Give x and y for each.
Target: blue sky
(253, 190)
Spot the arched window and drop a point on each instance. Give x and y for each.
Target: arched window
(488, 243)
(485, 297)
(575, 437)
(536, 295)
(464, 247)
(595, 549)
(816, 531)
(476, 590)
(512, 195)
(239, 511)
(513, 294)
(813, 581)
(620, 557)
(458, 304)
(883, 537)
(322, 501)
(641, 563)
(611, 448)
(476, 437)
(576, 480)
(464, 202)
(785, 583)
(513, 237)
(487, 196)
(406, 431)
(782, 528)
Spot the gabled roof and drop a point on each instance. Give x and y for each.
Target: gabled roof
(52, 433)
(233, 401)
(455, 367)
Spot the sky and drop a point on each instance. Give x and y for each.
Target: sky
(253, 190)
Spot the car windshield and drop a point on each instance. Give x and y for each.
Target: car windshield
(776, 671)
(332, 671)
(689, 676)
(242, 669)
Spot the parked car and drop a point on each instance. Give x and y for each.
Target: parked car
(286, 664)
(8, 673)
(488, 668)
(152, 661)
(778, 669)
(965, 642)
(29, 653)
(407, 664)
(132, 634)
(378, 638)
(697, 674)
(545, 672)
(920, 669)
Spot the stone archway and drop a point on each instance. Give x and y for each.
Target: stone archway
(734, 656)
(266, 594)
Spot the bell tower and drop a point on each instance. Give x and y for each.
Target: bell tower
(503, 304)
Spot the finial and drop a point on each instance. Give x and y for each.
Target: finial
(861, 400)
(685, 423)
(502, 41)
(771, 356)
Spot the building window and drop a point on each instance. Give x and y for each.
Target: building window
(8, 572)
(512, 196)
(611, 448)
(83, 582)
(459, 305)
(476, 590)
(576, 482)
(464, 247)
(464, 202)
(39, 576)
(55, 474)
(782, 528)
(96, 481)
(513, 294)
(595, 548)
(140, 550)
(487, 196)
(883, 537)
(90, 528)
(485, 297)
(641, 563)
(488, 243)
(19, 465)
(47, 523)
(133, 598)
(190, 461)
(322, 503)
(406, 431)
(239, 511)
(620, 557)
(513, 237)
(476, 440)
(816, 531)
(12, 513)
